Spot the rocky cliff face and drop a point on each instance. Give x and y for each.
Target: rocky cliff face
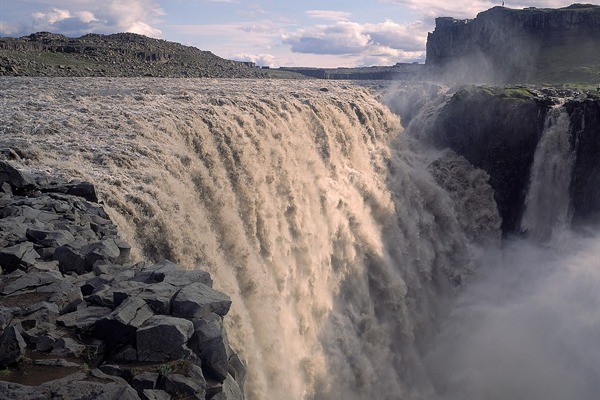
(500, 129)
(506, 45)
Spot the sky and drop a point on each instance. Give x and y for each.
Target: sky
(338, 33)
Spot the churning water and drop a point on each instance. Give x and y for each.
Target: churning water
(342, 242)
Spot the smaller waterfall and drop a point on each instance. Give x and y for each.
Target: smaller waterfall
(547, 209)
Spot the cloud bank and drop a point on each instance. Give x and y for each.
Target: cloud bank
(74, 18)
(385, 42)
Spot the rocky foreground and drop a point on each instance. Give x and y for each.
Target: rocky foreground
(79, 321)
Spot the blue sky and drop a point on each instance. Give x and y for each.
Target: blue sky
(269, 32)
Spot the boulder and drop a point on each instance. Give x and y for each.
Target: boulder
(198, 300)
(84, 318)
(21, 255)
(120, 326)
(210, 344)
(12, 346)
(18, 181)
(163, 338)
(145, 380)
(230, 391)
(67, 347)
(180, 386)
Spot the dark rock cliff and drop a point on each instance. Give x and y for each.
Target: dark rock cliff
(507, 45)
(585, 138)
(498, 130)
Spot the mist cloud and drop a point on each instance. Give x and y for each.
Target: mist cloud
(527, 328)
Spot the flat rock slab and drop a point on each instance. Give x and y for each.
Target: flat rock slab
(83, 319)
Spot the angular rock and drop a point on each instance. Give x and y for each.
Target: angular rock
(146, 380)
(155, 394)
(12, 346)
(198, 300)
(46, 238)
(113, 370)
(17, 180)
(210, 344)
(104, 250)
(85, 318)
(34, 281)
(67, 347)
(238, 370)
(179, 385)
(120, 326)
(230, 391)
(163, 338)
(21, 255)
(70, 259)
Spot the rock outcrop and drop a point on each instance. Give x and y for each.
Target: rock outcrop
(79, 321)
(121, 54)
(498, 131)
(508, 45)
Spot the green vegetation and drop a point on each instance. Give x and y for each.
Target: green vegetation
(5, 373)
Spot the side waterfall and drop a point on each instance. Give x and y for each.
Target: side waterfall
(547, 201)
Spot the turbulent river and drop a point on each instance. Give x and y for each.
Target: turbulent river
(361, 264)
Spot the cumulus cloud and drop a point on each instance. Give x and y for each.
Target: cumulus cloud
(137, 16)
(258, 59)
(387, 42)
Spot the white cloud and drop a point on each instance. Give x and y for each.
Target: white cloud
(329, 15)
(258, 59)
(137, 16)
(384, 43)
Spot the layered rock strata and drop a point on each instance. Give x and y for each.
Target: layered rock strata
(79, 321)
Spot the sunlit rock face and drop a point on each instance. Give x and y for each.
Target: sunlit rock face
(506, 45)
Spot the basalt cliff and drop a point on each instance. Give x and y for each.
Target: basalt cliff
(508, 45)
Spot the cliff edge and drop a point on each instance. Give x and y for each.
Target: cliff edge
(503, 45)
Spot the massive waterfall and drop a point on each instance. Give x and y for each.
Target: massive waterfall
(340, 239)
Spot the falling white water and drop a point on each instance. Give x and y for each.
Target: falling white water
(339, 240)
(547, 209)
(307, 206)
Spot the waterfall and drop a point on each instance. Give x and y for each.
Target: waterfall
(308, 207)
(547, 202)
(351, 251)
